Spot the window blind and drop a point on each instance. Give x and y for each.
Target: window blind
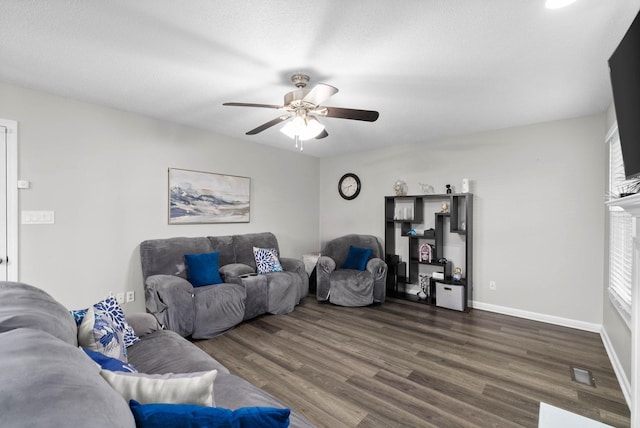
(620, 235)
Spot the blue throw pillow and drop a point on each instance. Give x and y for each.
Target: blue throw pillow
(195, 416)
(109, 363)
(357, 258)
(202, 269)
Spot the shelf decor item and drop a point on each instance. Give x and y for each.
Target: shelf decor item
(426, 253)
(400, 187)
(465, 185)
(444, 207)
(457, 274)
(426, 188)
(424, 286)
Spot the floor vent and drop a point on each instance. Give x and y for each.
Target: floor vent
(583, 376)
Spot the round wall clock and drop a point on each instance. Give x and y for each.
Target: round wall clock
(349, 186)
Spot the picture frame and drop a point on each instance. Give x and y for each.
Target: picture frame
(197, 197)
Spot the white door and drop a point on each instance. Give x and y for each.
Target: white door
(8, 200)
(3, 204)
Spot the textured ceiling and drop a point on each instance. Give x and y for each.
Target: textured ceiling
(431, 68)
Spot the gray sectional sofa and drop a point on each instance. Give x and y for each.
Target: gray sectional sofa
(205, 311)
(46, 380)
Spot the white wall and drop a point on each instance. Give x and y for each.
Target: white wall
(538, 208)
(104, 173)
(538, 205)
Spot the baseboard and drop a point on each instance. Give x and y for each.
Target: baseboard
(550, 319)
(623, 380)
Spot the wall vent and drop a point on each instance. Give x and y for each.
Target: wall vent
(583, 376)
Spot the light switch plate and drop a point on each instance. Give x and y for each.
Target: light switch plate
(38, 217)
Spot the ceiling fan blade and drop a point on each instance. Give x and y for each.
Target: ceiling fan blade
(350, 113)
(267, 125)
(251, 105)
(323, 134)
(320, 93)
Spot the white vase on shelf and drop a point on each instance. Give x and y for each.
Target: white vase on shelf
(465, 185)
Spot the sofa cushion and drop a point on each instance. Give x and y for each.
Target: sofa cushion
(165, 351)
(267, 260)
(188, 415)
(233, 392)
(49, 383)
(357, 258)
(143, 323)
(22, 305)
(202, 269)
(187, 388)
(217, 308)
(244, 244)
(166, 256)
(338, 248)
(224, 246)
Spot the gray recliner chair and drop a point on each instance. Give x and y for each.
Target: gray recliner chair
(351, 287)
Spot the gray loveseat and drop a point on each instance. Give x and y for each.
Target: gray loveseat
(47, 381)
(206, 311)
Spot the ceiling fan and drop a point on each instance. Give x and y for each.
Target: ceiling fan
(302, 106)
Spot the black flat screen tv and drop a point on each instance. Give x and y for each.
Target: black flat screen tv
(624, 66)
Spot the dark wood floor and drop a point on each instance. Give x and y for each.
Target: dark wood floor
(407, 364)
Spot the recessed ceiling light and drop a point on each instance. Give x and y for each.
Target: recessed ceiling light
(557, 4)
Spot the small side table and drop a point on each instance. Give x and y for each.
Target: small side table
(310, 261)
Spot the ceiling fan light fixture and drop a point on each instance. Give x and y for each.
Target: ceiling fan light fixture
(304, 129)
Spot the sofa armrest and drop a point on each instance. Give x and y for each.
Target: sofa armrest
(378, 269)
(143, 323)
(289, 264)
(170, 299)
(231, 272)
(324, 267)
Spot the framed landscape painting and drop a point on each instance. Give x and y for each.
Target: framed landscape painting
(203, 197)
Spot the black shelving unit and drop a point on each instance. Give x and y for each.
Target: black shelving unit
(460, 219)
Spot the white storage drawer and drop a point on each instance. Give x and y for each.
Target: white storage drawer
(450, 296)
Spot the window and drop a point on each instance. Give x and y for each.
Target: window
(620, 235)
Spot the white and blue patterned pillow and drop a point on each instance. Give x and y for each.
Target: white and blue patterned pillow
(113, 311)
(267, 260)
(98, 332)
(78, 315)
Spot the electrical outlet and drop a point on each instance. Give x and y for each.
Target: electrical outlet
(492, 285)
(120, 298)
(131, 296)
